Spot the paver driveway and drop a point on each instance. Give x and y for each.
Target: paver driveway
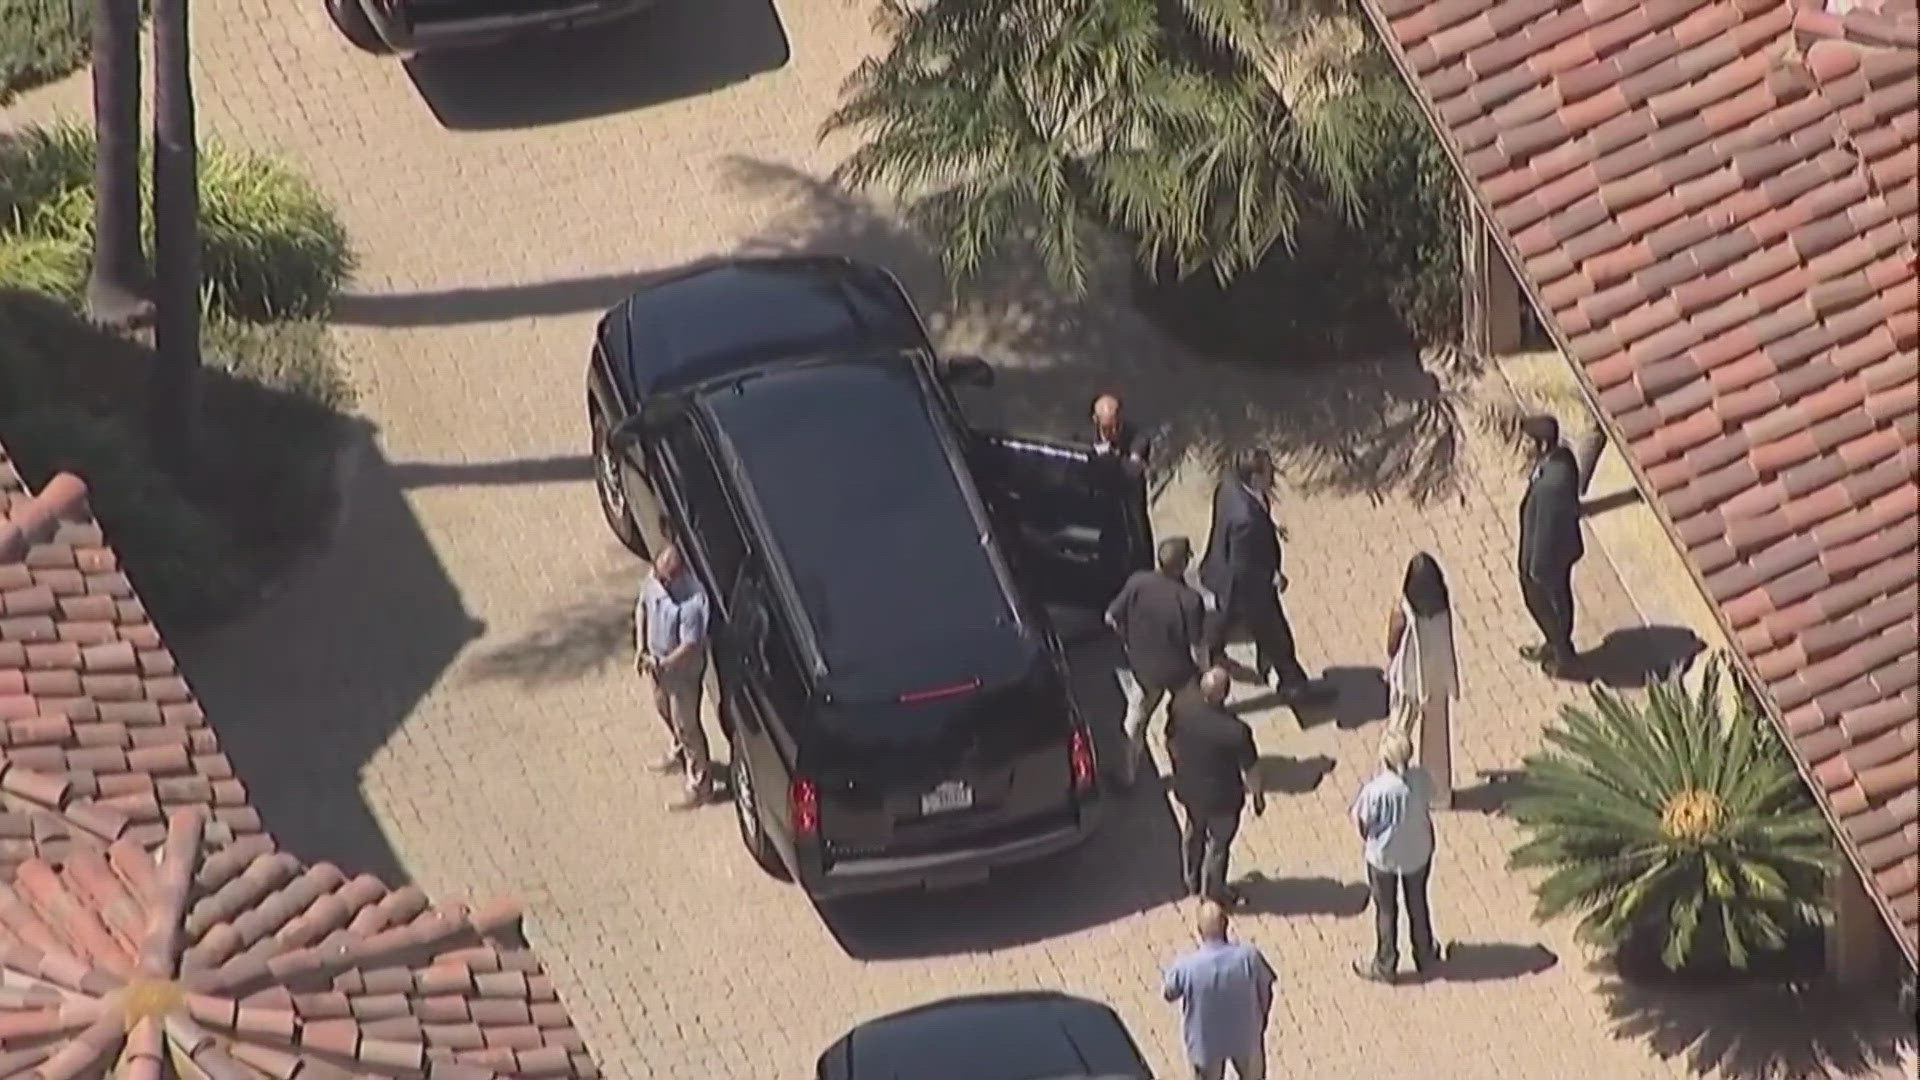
(444, 696)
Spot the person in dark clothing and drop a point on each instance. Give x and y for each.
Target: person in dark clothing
(1550, 543)
(1114, 434)
(1161, 623)
(1242, 570)
(1214, 763)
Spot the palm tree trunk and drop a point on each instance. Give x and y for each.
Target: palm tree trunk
(174, 398)
(118, 283)
(1586, 453)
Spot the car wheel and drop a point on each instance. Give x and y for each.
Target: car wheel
(746, 812)
(355, 26)
(613, 495)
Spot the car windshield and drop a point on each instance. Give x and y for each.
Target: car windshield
(872, 525)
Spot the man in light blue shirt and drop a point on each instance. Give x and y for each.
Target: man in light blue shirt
(670, 648)
(1225, 990)
(1392, 815)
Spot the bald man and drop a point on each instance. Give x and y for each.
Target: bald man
(670, 650)
(1225, 992)
(1214, 776)
(1113, 434)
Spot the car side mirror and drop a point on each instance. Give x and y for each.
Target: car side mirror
(968, 371)
(626, 433)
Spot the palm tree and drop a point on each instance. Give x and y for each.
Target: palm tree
(1202, 129)
(118, 281)
(173, 398)
(1675, 824)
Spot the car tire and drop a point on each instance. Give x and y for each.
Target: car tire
(746, 814)
(606, 485)
(353, 23)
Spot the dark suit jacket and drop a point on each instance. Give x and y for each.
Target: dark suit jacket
(1243, 548)
(1550, 541)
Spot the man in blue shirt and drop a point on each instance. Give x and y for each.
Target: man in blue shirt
(1392, 815)
(1225, 991)
(670, 648)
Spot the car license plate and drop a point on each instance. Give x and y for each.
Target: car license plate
(945, 799)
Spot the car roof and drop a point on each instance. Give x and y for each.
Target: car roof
(868, 512)
(715, 318)
(1018, 1036)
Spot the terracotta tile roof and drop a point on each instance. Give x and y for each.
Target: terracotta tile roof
(149, 928)
(1714, 204)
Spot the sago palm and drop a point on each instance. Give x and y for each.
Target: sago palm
(1674, 822)
(1202, 128)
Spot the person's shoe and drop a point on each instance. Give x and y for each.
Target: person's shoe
(1425, 965)
(1229, 896)
(1370, 973)
(1536, 653)
(672, 763)
(692, 798)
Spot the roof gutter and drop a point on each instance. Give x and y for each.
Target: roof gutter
(1544, 314)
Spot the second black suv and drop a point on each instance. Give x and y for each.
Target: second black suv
(894, 693)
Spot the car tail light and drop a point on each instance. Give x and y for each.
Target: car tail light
(804, 800)
(1080, 758)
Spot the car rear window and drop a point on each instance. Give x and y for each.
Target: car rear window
(869, 519)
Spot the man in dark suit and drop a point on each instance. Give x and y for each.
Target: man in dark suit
(1161, 623)
(1550, 543)
(1242, 570)
(1215, 775)
(1114, 434)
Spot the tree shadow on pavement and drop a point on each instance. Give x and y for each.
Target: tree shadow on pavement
(572, 641)
(1373, 426)
(1765, 1031)
(1263, 895)
(1495, 789)
(675, 50)
(305, 689)
(1639, 655)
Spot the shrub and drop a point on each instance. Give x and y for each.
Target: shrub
(271, 247)
(1674, 825)
(177, 555)
(1411, 237)
(42, 40)
(51, 266)
(71, 397)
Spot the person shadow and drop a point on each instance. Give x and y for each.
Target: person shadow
(1263, 895)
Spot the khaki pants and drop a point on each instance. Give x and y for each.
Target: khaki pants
(1142, 700)
(676, 699)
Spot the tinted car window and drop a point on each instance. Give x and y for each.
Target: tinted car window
(708, 513)
(867, 514)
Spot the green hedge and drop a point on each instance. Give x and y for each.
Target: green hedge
(271, 247)
(71, 398)
(42, 40)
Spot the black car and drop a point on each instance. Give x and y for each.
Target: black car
(408, 26)
(894, 692)
(1031, 1036)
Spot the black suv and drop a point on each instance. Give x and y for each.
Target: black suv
(894, 693)
(408, 26)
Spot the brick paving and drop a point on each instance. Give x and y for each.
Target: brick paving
(442, 696)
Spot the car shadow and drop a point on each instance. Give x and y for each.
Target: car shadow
(674, 50)
(1637, 656)
(1131, 865)
(1263, 895)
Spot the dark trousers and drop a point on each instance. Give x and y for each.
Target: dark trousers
(1387, 888)
(1550, 602)
(1205, 843)
(1263, 620)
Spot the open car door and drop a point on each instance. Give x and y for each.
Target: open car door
(1076, 520)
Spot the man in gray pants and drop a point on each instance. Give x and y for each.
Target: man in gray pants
(670, 649)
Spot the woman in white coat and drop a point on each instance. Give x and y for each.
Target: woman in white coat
(1422, 676)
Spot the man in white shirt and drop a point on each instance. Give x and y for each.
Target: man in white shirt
(670, 648)
(1393, 816)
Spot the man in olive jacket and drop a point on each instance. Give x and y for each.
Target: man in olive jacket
(1550, 543)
